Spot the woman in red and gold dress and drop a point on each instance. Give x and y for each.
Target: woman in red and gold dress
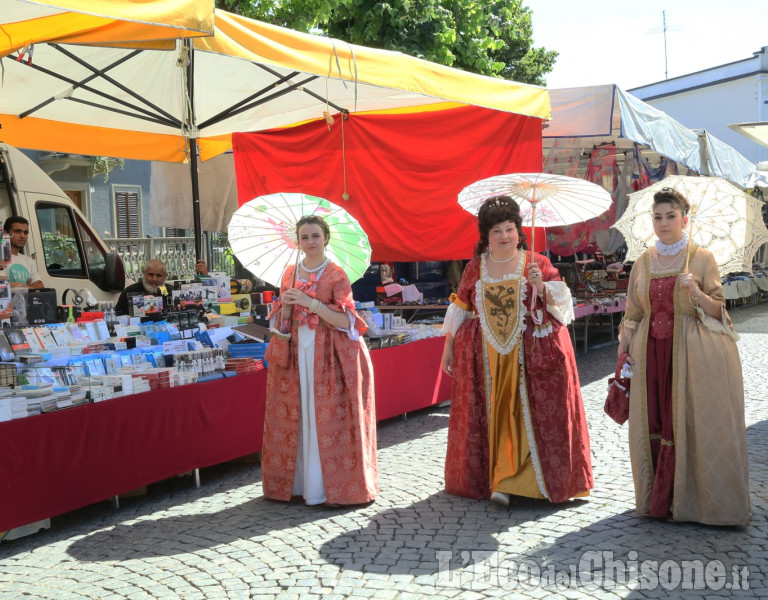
(517, 424)
(320, 420)
(687, 437)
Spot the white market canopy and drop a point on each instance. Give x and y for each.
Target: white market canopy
(757, 131)
(600, 114)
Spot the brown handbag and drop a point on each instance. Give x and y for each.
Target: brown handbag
(617, 402)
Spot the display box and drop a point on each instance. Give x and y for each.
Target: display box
(382, 298)
(193, 295)
(142, 305)
(242, 302)
(6, 307)
(16, 339)
(5, 252)
(41, 306)
(221, 282)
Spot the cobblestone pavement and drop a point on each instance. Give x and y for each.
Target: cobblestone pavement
(225, 540)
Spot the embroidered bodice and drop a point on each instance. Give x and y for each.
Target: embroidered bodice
(501, 306)
(662, 296)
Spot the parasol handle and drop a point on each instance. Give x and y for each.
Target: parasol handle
(687, 246)
(533, 225)
(534, 315)
(287, 312)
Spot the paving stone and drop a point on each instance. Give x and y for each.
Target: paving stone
(223, 541)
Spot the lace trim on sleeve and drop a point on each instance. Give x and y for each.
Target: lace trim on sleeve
(561, 306)
(352, 331)
(454, 318)
(356, 322)
(722, 326)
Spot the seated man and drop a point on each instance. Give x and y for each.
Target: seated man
(153, 276)
(22, 272)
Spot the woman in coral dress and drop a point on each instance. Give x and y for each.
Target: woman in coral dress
(687, 437)
(320, 420)
(517, 423)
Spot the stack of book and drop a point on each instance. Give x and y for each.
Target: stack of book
(6, 398)
(158, 379)
(240, 365)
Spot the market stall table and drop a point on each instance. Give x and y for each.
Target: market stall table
(745, 288)
(408, 377)
(411, 309)
(57, 462)
(60, 461)
(590, 308)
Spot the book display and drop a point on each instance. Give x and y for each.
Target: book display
(124, 402)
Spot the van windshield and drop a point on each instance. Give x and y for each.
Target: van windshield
(60, 248)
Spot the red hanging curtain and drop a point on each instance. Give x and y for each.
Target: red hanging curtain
(403, 172)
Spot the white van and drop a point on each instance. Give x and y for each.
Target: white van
(68, 252)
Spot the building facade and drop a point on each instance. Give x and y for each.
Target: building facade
(711, 99)
(116, 202)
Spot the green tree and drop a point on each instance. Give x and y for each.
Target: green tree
(491, 38)
(301, 15)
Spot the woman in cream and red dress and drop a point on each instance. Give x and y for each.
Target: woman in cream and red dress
(687, 437)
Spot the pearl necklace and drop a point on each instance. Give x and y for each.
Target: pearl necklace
(670, 249)
(505, 260)
(671, 266)
(320, 267)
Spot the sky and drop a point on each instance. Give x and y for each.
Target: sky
(610, 41)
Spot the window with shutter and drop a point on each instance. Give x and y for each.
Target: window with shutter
(175, 232)
(127, 214)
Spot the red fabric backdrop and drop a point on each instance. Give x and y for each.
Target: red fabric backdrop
(403, 172)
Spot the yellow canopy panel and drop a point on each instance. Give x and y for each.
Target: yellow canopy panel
(268, 44)
(115, 22)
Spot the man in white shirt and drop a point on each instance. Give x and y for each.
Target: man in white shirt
(22, 272)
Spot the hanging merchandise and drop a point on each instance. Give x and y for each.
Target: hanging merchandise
(610, 240)
(577, 237)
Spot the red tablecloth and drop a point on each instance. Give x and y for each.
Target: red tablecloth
(60, 461)
(56, 462)
(408, 377)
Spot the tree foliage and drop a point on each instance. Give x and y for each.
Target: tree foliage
(301, 15)
(494, 37)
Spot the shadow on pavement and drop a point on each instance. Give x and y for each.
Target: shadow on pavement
(186, 533)
(438, 534)
(161, 496)
(609, 555)
(757, 449)
(596, 364)
(400, 430)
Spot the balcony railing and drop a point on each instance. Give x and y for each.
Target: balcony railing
(177, 253)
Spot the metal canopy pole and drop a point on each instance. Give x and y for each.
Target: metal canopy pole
(192, 130)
